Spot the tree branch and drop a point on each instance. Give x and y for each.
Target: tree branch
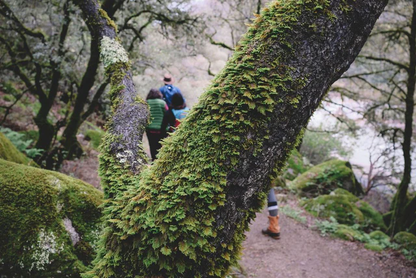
(8, 13)
(394, 63)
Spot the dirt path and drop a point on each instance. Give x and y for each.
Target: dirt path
(303, 252)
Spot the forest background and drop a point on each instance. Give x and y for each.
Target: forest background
(55, 93)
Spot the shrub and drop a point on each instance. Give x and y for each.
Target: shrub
(318, 147)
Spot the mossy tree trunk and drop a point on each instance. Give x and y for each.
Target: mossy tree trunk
(185, 216)
(399, 216)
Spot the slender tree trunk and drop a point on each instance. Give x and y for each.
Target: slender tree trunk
(46, 129)
(185, 216)
(400, 199)
(70, 141)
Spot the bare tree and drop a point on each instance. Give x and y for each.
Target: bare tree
(383, 78)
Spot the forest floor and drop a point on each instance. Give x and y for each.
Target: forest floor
(301, 252)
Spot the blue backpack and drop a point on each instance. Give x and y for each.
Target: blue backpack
(168, 91)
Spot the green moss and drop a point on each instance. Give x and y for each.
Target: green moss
(379, 236)
(109, 20)
(10, 153)
(326, 177)
(337, 206)
(346, 209)
(373, 247)
(406, 240)
(34, 205)
(347, 233)
(373, 219)
(95, 136)
(342, 192)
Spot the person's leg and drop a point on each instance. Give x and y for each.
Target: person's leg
(273, 230)
(153, 141)
(272, 205)
(158, 145)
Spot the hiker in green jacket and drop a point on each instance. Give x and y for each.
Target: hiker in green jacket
(157, 107)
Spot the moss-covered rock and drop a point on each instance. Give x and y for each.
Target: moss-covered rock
(337, 206)
(346, 209)
(326, 177)
(379, 236)
(373, 219)
(49, 222)
(10, 153)
(406, 240)
(342, 192)
(295, 166)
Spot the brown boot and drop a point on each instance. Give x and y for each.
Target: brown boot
(273, 230)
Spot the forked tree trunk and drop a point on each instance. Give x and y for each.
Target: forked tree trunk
(185, 216)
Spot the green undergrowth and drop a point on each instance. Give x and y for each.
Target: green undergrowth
(346, 209)
(9, 152)
(50, 222)
(293, 213)
(166, 221)
(375, 240)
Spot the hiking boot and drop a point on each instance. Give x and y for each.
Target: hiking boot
(273, 230)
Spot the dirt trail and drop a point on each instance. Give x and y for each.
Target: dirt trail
(303, 252)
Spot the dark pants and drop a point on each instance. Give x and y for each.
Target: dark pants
(154, 137)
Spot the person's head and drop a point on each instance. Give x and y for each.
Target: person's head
(154, 93)
(167, 79)
(177, 101)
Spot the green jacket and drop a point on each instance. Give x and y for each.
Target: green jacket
(157, 111)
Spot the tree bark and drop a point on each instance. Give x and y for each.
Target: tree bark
(185, 216)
